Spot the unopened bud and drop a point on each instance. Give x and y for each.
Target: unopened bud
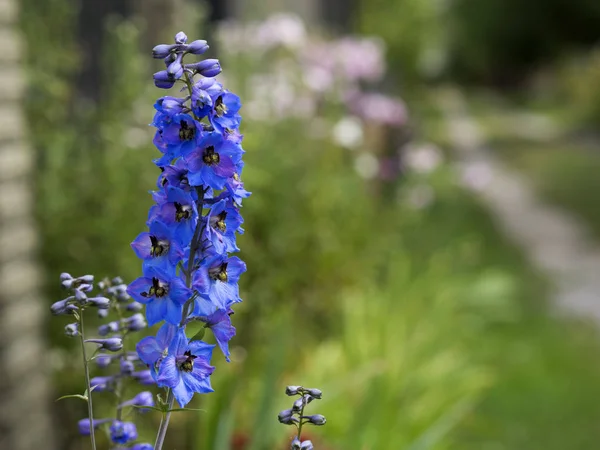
(181, 38)
(316, 393)
(316, 419)
(72, 329)
(99, 302)
(110, 344)
(162, 80)
(197, 47)
(293, 390)
(110, 327)
(208, 68)
(286, 417)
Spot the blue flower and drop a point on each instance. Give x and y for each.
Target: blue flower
(223, 222)
(163, 294)
(225, 112)
(123, 432)
(157, 247)
(182, 134)
(176, 175)
(203, 93)
(213, 162)
(186, 369)
(178, 211)
(220, 324)
(217, 279)
(152, 350)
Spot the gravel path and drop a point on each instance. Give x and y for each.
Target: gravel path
(555, 242)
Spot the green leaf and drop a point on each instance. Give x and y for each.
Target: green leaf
(155, 408)
(82, 397)
(185, 409)
(195, 330)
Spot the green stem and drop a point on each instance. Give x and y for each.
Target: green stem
(87, 380)
(301, 415)
(164, 423)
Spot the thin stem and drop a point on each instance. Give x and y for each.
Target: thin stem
(196, 241)
(301, 415)
(87, 380)
(164, 423)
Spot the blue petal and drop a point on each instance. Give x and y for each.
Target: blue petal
(168, 375)
(182, 393)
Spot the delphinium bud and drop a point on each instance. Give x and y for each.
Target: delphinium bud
(84, 425)
(292, 390)
(110, 344)
(72, 330)
(123, 432)
(113, 296)
(296, 416)
(315, 419)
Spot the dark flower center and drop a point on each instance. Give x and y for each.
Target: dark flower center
(218, 222)
(158, 248)
(220, 107)
(156, 290)
(185, 132)
(219, 272)
(210, 157)
(187, 365)
(182, 212)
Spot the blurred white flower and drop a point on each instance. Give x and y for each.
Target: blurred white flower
(476, 175)
(420, 196)
(366, 165)
(422, 158)
(283, 29)
(348, 132)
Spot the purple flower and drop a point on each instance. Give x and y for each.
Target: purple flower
(162, 293)
(186, 369)
(122, 432)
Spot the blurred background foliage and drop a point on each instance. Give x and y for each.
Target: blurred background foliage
(372, 273)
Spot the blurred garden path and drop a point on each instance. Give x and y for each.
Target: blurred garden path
(555, 242)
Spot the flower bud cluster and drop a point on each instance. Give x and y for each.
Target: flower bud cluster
(295, 415)
(110, 350)
(187, 271)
